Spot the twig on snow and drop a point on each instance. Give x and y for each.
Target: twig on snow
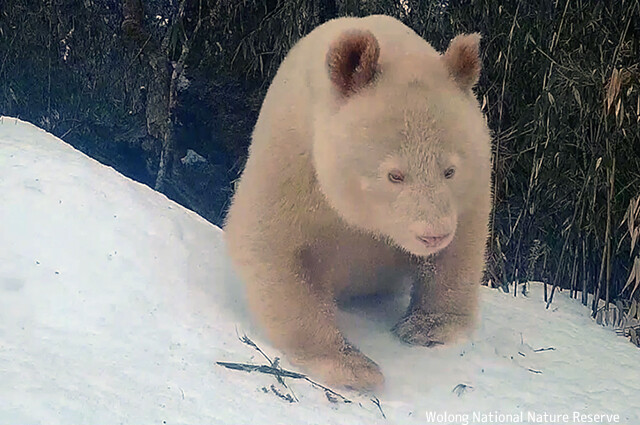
(262, 369)
(544, 349)
(460, 389)
(375, 401)
(277, 371)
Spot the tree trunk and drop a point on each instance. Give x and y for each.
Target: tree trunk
(158, 110)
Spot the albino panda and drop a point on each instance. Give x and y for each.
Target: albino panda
(370, 156)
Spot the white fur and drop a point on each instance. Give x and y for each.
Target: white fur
(315, 215)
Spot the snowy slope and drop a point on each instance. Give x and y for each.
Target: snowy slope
(115, 304)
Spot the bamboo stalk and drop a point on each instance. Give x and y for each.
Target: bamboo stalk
(610, 201)
(584, 272)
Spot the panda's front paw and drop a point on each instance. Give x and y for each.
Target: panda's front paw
(348, 368)
(429, 329)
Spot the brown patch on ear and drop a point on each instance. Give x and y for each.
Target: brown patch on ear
(352, 61)
(462, 58)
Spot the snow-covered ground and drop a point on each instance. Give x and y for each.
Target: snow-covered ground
(116, 303)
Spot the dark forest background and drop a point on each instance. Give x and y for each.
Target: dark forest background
(167, 92)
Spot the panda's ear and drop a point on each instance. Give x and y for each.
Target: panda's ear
(352, 61)
(462, 59)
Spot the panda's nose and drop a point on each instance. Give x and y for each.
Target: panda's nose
(433, 241)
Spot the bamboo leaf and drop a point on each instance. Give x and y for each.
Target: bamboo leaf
(576, 95)
(627, 217)
(634, 276)
(619, 116)
(613, 88)
(632, 309)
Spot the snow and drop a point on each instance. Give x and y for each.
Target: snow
(116, 303)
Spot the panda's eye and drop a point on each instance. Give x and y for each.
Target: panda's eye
(449, 173)
(396, 176)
